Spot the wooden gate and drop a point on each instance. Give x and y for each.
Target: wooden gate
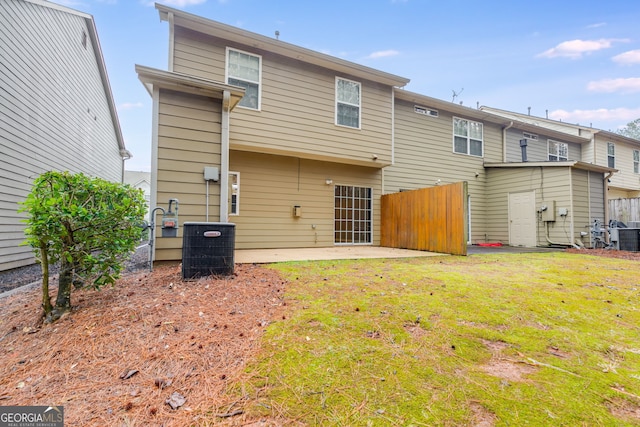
(431, 219)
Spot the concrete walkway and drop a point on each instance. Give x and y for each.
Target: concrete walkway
(265, 256)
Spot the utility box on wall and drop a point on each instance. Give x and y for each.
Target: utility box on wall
(207, 249)
(548, 211)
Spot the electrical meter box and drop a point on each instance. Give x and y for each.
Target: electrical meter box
(548, 210)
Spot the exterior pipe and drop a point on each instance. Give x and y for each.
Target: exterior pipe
(504, 141)
(606, 203)
(224, 158)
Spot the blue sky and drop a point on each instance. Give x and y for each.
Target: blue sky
(571, 60)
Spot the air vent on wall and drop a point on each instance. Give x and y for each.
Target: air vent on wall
(426, 111)
(530, 136)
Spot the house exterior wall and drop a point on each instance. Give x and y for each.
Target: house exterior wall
(297, 115)
(189, 129)
(625, 183)
(54, 110)
(588, 202)
(537, 150)
(549, 184)
(271, 185)
(424, 154)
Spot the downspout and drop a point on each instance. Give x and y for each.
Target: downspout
(606, 203)
(153, 199)
(171, 39)
(224, 158)
(504, 141)
(124, 155)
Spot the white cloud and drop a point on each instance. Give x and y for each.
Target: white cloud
(130, 105)
(597, 25)
(174, 3)
(621, 115)
(628, 85)
(574, 49)
(628, 58)
(383, 54)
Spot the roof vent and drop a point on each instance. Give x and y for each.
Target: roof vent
(426, 111)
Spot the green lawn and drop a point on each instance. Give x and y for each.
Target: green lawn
(547, 339)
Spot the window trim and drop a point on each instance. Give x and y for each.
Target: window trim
(237, 194)
(337, 101)
(468, 137)
(636, 161)
(611, 154)
(259, 82)
(350, 219)
(557, 153)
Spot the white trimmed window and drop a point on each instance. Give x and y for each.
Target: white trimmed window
(234, 193)
(245, 70)
(636, 161)
(348, 100)
(558, 151)
(467, 137)
(611, 154)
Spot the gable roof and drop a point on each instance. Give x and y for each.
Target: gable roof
(95, 42)
(487, 116)
(563, 127)
(228, 32)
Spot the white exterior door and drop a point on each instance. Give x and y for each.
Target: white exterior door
(522, 219)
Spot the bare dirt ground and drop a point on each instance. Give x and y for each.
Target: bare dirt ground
(127, 353)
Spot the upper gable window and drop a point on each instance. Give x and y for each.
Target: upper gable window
(467, 137)
(245, 70)
(348, 103)
(558, 151)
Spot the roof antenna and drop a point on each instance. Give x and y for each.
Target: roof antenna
(528, 111)
(456, 94)
(277, 35)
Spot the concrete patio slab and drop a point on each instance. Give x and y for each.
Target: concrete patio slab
(266, 256)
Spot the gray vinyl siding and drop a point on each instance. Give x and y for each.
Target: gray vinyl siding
(54, 111)
(424, 154)
(297, 115)
(189, 129)
(624, 180)
(271, 185)
(537, 150)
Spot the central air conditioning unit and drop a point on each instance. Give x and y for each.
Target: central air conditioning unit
(629, 239)
(207, 249)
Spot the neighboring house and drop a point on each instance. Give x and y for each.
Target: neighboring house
(142, 181)
(438, 142)
(305, 144)
(56, 108)
(601, 148)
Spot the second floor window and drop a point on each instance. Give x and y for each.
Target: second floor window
(467, 137)
(348, 103)
(636, 161)
(611, 154)
(244, 70)
(558, 151)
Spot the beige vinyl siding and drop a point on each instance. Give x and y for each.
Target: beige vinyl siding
(585, 196)
(270, 186)
(549, 184)
(424, 154)
(54, 111)
(624, 181)
(537, 150)
(297, 115)
(183, 154)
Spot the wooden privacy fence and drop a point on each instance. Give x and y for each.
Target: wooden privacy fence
(431, 219)
(624, 210)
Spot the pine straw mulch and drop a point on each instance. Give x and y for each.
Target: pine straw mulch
(125, 350)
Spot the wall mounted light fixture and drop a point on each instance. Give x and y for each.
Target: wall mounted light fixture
(328, 181)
